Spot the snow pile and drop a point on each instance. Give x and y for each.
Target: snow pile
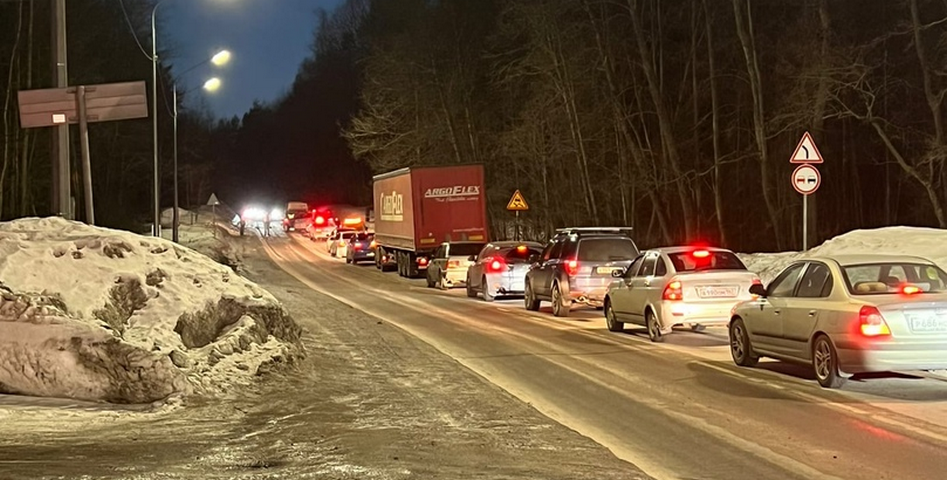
(930, 243)
(99, 314)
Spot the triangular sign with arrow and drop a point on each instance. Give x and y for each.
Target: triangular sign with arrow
(213, 200)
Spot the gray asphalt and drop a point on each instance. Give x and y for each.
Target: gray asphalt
(665, 408)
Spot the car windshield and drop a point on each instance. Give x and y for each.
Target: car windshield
(607, 249)
(465, 249)
(518, 255)
(701, 260)
(882, 278)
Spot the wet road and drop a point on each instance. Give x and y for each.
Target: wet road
(677, 410)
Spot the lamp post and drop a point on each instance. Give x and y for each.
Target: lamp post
(210, 85)
(156, 227)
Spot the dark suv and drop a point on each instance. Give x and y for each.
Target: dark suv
(576, 267)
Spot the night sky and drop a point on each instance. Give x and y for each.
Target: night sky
(268, 39)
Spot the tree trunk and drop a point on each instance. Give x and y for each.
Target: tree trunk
(9, 149)
(748, 42)
(664, 120)
(715, 121)
(27, 150)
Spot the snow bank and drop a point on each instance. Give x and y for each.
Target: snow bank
(99, 314)
(930, 243)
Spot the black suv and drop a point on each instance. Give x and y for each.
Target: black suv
(576, 267)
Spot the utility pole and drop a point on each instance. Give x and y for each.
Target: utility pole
(62, 196)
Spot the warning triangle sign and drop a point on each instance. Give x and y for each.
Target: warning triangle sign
(213, 200)
(517, 203)
(806, 151)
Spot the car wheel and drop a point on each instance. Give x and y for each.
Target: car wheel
(532, 304)
(611, 320)
(558, 309)
(348, 260)
(485, 288)
(470, 291)
(825, 363)
(654, 330)
(740, 347)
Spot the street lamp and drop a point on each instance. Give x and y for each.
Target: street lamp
(219, 59)
(223, 55)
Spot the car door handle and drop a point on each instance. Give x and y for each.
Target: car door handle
(775, 312)
(647, 283)
(812, 313)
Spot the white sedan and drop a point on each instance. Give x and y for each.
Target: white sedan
(672, 286)
(847, 313)
(499, 269)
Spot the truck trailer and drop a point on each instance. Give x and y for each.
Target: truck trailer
(418, 208)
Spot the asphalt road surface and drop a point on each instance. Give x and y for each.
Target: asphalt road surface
(676, 410)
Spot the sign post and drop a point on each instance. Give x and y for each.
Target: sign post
(80, 105)
(516, 205)
(806, 178)
(213, 202)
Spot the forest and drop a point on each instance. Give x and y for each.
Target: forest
(676, 117)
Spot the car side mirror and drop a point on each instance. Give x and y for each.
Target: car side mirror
(618, 273)
(758, 290)
(472, 258)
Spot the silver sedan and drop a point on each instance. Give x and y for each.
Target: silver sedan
(500, 269)
(847, 313)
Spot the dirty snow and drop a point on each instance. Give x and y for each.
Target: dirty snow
(98, 314)
(930, 243)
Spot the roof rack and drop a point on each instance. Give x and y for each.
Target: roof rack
(574, 230)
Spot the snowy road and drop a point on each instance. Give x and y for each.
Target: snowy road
(677, 410)
(368, 402)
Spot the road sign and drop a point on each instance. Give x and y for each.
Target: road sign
(213, 200)
(806, 151)
(517, 203)
(806, 179)
(55, 106)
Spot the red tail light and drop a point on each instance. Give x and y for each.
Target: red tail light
(674, 291)
(871, 323)
(320, 220)
(496, 265)
(357, 246)
(422, 261)
(572, 268)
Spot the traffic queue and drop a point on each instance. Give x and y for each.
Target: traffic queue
(844, 314)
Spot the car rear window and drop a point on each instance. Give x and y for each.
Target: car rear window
(607, 250)
(364, 237)
(349, 234)
(516, 255)
(881, 278)
(714, 260)
(465, 249)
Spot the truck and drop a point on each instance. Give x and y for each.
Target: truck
(419, 208)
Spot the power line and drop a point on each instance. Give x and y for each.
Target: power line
(134, 33)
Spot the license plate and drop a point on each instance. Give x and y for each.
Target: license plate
(927, 323)
(716, 292)
(370, 254)
(606, 270)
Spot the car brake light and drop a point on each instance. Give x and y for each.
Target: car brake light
(422, 261)
(674, 291)
(497, 265)
(320, 220)
(522, 249)
(357, 245)
(372, 245)
(910, 289)
(701, 254)
(572, 267)
(871, 323)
